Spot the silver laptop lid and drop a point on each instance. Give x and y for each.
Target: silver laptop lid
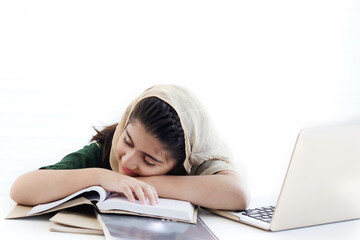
(322, 184)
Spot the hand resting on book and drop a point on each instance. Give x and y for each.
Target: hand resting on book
(130, 187)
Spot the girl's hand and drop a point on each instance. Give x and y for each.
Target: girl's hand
(129, 186)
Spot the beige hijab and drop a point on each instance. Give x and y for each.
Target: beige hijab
(201, 140)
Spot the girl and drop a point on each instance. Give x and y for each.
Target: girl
(164, 146)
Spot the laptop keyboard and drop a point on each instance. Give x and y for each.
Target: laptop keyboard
(263, 213)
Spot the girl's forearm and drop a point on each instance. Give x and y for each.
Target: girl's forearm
(43, 186)
(225, 190)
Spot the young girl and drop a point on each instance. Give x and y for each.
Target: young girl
(164, 146)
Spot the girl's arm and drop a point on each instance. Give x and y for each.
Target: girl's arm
(43, 186)
(224, 190)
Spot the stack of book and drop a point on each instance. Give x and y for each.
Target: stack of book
(95, 211)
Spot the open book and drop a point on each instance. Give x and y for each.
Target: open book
(106, 202)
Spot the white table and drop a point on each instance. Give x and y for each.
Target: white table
(38, 228)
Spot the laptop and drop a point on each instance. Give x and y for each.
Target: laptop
(322, 183)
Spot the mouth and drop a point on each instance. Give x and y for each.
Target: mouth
(129, 172)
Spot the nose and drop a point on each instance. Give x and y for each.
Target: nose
(130, 160)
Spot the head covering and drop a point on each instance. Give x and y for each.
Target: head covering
(201, 140)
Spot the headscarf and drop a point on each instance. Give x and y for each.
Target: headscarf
(201, 139)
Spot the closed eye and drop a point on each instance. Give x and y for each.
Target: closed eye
(126, 142)
(132, 144)
(148, 163)
(144, 160)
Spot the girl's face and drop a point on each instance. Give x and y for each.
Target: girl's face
(140, 154)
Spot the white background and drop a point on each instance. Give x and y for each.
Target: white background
(265, 70)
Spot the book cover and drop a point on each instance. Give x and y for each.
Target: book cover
(139, 228)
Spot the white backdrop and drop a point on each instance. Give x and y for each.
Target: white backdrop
(265, 69)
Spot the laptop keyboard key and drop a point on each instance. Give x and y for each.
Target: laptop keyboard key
(263, 214)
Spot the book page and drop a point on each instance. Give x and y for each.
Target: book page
(168, 208)
(102, 194)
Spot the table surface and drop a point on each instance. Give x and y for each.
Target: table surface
(38, 228)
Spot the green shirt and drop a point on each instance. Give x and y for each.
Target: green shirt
(88, 157)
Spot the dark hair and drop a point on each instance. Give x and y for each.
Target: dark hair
(105, 137)
(160, 120)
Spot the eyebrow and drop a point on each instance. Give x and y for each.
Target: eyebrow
(156, 160)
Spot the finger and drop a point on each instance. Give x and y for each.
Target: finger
(140, 194)
(128, 193)
(156, 196)
(149, 192)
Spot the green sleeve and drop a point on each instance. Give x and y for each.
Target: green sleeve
(88, 157)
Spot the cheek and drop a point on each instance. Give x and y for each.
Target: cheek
(120, 149)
